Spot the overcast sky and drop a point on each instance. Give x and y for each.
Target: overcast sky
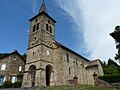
(82, 25)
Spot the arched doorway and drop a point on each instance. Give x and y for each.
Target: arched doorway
(32, 72)
(48, 74)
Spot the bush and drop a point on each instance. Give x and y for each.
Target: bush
(111, 78)
(7, 84)
(17, 84)
(0, 86)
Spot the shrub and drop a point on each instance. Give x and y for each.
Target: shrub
(0, 86)
(17, 84)
(7, 84)
(111, 78)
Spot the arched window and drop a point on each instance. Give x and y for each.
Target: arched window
(37, 26)
(50, 29)
(34, 28)
(32, 72)
(47, 27)
(48, 74)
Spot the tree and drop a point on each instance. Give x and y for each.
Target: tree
(3, 54)
(111, 67)
(24, 56)
(117, 57)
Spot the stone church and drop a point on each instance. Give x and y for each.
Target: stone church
(49, 62)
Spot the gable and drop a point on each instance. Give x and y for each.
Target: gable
(12, 56)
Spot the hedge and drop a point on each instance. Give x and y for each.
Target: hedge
(17, 84)
(8, 84)
(111, 78)
(0, 86)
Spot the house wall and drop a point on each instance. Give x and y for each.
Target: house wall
(12, 62)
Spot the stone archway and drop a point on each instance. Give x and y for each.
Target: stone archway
(48, 71)
(32, 72)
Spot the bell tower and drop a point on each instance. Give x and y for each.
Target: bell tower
(42, 28)
(40, 50)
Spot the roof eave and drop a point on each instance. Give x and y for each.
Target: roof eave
(71, 51)
(44, 14)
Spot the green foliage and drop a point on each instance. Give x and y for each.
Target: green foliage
(7, 84)
(0, 86)
(111, 78)
(111, 72)
(112, 63)
(17, 84)
(117, 57)
(24, 57)
(3, 54)
(111, 67)
(20, 76)
(78, 87)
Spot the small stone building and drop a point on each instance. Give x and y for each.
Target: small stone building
(11, 67)
(51, 63)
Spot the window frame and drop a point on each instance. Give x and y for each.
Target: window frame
(67, 57)
(34, 28)
(20, 68)
(37, 26)
(13, 79)
(2, 79)
(47, 27)
(69, 70)
(3, 67)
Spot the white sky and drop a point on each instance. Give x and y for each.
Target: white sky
(99, 18)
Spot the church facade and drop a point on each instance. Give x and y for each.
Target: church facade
(49, 62)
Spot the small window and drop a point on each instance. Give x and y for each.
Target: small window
(67, 57)
(48, 53)
(20, 68)
(36, 20)
(76, 61)
(14, 58)
(37, 26)
(33, 53)
(34, 28)
(47, 27)
(49, 21)
(3, 67)
(2, 79)
(14, 79)
(50, 29)
(34, 38)
(69, 71)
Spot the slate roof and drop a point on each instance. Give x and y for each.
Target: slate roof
(15, 52)
(92, 64)
(43, 7)
(71, 50)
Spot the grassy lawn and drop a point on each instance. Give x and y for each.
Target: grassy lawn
(79, 87)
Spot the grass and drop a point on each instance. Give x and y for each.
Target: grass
(79, 87)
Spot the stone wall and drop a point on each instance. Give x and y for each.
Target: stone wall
(12, 61)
